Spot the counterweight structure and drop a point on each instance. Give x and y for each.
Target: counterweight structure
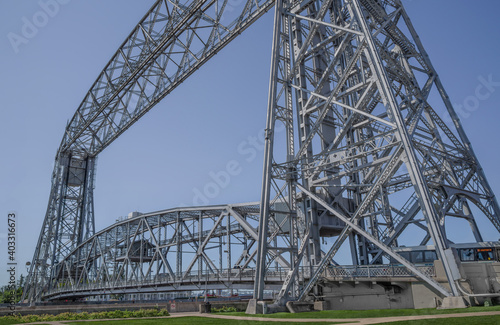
(363, 158)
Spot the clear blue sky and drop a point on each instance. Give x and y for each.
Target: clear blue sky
(164, 158)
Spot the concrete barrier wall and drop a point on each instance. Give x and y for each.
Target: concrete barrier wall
(352, 295)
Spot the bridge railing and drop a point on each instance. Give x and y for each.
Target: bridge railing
(165, 279)
(372, 271)
(243, 275)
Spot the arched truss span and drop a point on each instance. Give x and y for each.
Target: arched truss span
(184, 249)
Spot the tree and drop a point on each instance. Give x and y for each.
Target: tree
(8, 294)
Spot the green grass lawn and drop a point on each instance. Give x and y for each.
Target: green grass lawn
(370, 313)
(479, 320)
(192, 321)
(113, 314)
(4, 321)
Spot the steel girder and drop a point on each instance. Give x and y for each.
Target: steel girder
(365, 149)
(170, 43)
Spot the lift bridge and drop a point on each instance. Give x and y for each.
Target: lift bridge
(364, 160)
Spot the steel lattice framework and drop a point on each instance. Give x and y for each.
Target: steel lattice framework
(351, 81)
(147, 251)
(364, 155)
(144, 254)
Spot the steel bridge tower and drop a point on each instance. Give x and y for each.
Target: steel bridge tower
(364, 154)
(367, 154)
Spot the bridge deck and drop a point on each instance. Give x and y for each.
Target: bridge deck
(234, 279)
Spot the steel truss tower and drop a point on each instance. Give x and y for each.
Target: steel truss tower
(366, 154)
(354, 147)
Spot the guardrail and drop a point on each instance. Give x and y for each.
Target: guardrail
(373, 271)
